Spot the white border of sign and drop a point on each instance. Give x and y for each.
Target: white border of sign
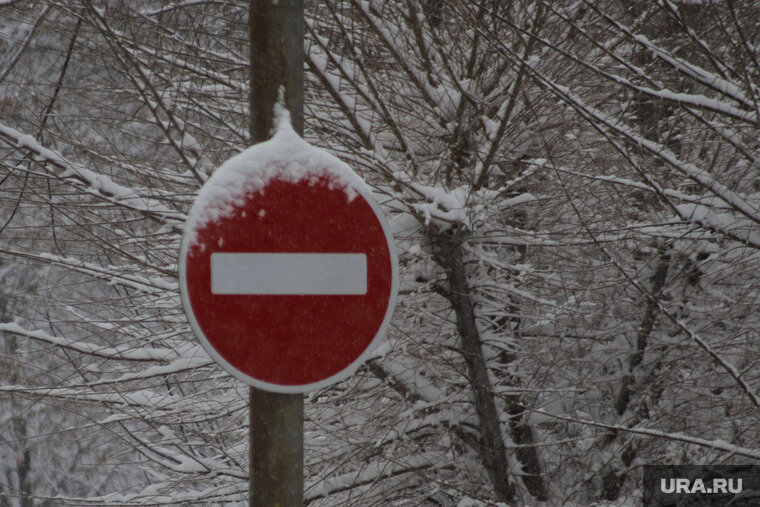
(341, 375)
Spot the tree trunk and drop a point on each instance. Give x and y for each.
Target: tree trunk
(612, 482)
(449, 254)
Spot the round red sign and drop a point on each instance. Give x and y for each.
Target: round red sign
(287, 274)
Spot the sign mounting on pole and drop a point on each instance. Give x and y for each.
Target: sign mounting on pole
(287, 267)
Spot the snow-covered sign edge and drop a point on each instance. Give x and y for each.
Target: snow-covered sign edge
(286, 157)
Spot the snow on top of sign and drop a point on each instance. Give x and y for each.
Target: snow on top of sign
(286, 156)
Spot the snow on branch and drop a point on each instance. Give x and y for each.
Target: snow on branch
(164, 493)
(371, 472)
(317, 58)
(378, 25)
(181, 5)
(94, 183)
(711, 213)
(682, 326)
(688, 169)
(717, 444)
(691, 70)
(191, 360)
(111, 274)
(687, 99)
(91, 349)
(447, 206)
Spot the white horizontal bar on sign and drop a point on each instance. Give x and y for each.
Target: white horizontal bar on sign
(318, 274)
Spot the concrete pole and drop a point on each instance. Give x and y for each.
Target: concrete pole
(276, 32)
(276, 420)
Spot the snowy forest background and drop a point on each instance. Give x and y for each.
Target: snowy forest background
(574, 187)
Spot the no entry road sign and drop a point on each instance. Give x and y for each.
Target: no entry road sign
(287, 267)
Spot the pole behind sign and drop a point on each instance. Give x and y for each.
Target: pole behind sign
(276, 29)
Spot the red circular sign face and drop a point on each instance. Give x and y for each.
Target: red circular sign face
(291, 287)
